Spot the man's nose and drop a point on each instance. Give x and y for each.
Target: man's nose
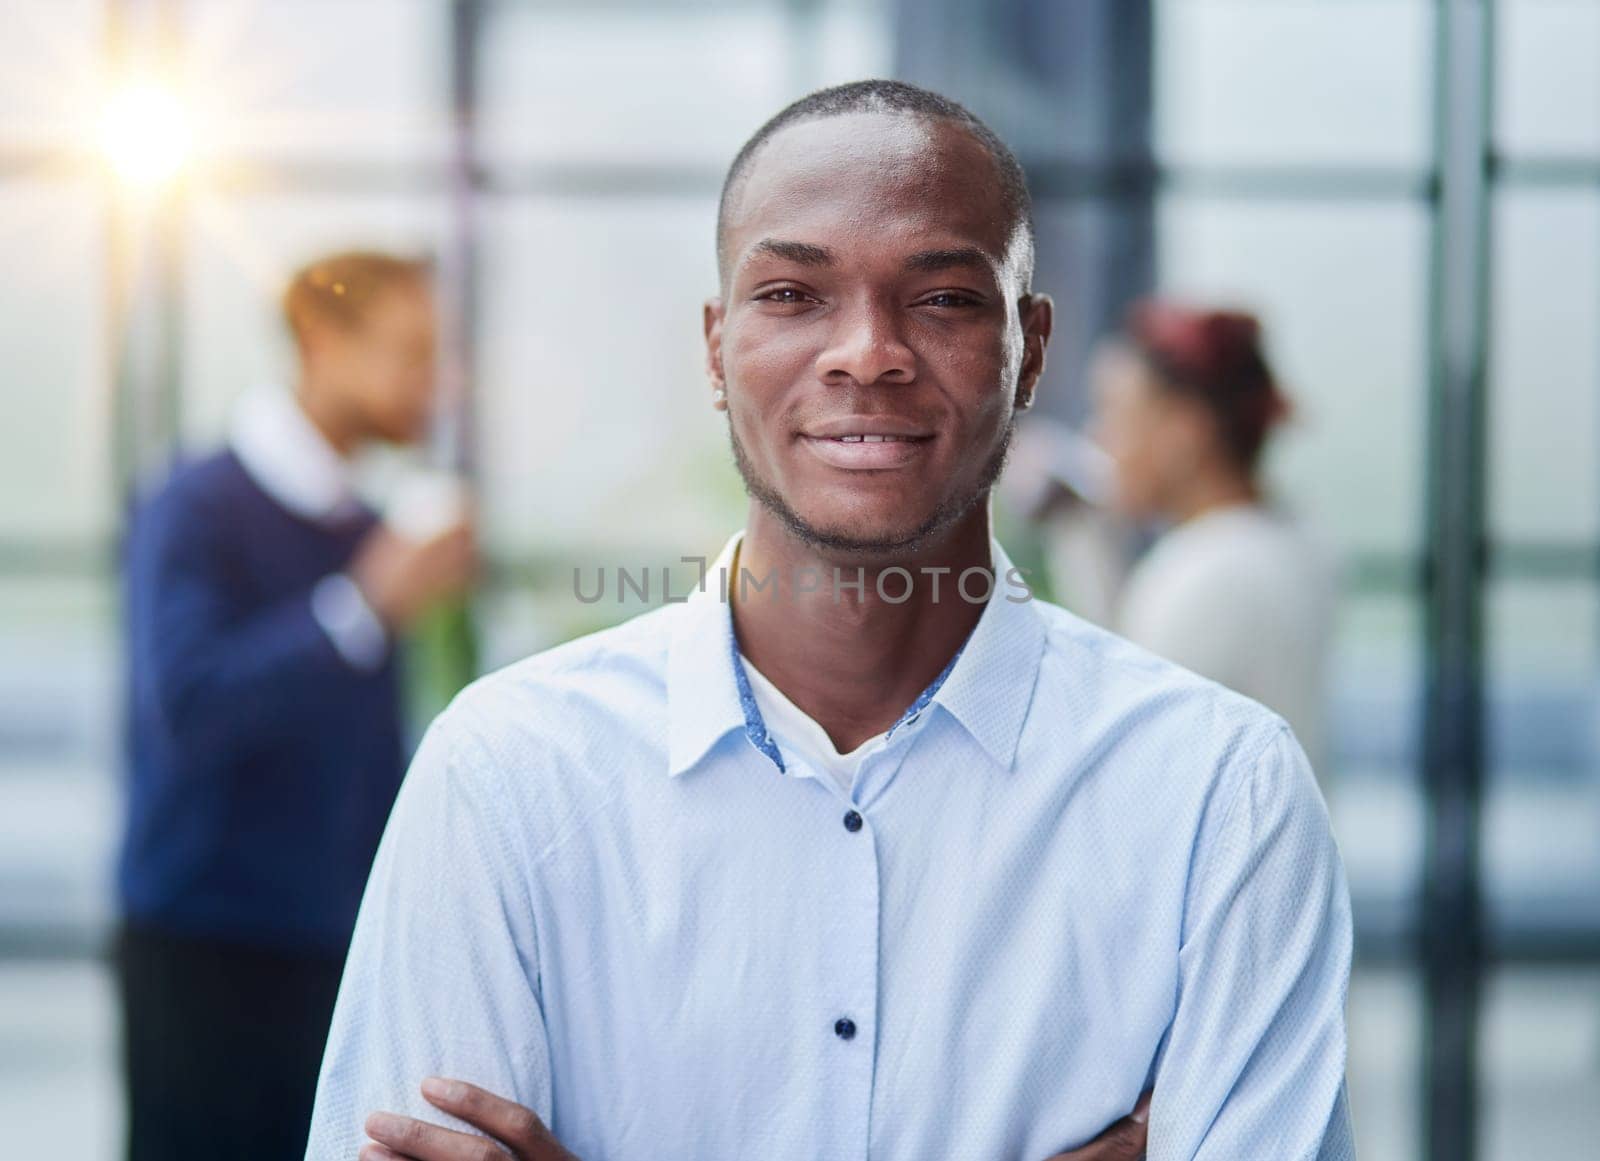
(866, 347)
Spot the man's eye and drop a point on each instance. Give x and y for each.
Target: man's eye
(784, 294)
(949, 298)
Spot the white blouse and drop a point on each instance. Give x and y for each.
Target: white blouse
(1245, 596)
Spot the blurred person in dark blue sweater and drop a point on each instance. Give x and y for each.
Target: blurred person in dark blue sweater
(264, 733)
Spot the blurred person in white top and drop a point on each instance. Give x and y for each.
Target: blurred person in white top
(1233, 587)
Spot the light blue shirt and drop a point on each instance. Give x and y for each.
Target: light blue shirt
(1080, 872)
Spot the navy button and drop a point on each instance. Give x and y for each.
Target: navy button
(852, 821)
(844, 1028)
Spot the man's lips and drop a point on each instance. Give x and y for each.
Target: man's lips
(867, 450)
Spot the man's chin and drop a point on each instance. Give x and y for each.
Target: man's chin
(863, 537)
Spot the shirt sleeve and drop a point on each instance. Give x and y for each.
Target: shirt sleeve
(222, 675)
(442, 977)
(1255, 1059)
(349, 621)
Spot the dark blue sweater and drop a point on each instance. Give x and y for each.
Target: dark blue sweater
(262, 765)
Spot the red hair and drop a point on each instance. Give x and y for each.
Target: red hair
(339, 289)
(1213, 356)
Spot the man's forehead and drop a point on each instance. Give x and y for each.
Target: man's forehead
(886, 139)
(903, 180)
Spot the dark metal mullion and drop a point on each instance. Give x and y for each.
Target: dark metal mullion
(119, 294)
(146, 359)
(1451, 919)
(168, 274)
(1130, 266)
(1565, 173)
(1534, 560)
(462, 260)
(1296, 183)
(462, 271)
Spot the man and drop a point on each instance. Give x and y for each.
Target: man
(264, 722)
(872, 857)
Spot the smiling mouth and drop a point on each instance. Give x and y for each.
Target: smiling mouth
(874, 438)
(868, 451)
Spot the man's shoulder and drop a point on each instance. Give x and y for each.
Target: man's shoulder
(191, 486)
(596, 689)
(1105, 677)
(193, 500)
(1151, 732)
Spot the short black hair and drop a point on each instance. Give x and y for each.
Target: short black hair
(882, 96)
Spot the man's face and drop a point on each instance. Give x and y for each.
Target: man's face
(384, 368)
(874, 339)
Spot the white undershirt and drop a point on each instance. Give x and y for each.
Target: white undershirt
(798, 734)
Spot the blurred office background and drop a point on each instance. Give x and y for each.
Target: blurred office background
(1408, 192)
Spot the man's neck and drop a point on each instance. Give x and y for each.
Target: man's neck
(823, 633)
(325, 419)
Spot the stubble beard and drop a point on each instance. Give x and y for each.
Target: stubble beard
(945, 514)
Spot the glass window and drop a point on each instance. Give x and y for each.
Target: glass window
(1075, 237)
(60, 671)
(59, 1031)
(591, 380)
(357, 80)
(1542, 813)
(51, 72)
(1384, 1022)
(1544, 383)
(855, 40)
(1293, 82)
(1541, 1038)
(669, 86)
(55, 446)
(1341, 290)
(1547, 84)
(59, 668)
(1371, 783)
(240, 254)
(1378, 817)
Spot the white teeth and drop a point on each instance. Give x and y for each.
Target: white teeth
(869, 438)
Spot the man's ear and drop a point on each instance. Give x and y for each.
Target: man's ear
(1038, 313)
(713, 330)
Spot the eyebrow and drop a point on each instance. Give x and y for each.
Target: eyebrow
(928, 261)
(923, 261)
(803, 253)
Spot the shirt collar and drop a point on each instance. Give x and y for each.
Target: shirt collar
(702, 695)
(991, 687)
(986, 687)
(289, 458)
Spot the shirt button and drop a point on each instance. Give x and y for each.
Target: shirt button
(844, 1028)
(852, 821)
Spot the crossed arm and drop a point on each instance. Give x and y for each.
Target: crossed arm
(516, 1133)
(1252, 1064)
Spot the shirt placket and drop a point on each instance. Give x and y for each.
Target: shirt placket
(850, 1024)
(851, 863)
